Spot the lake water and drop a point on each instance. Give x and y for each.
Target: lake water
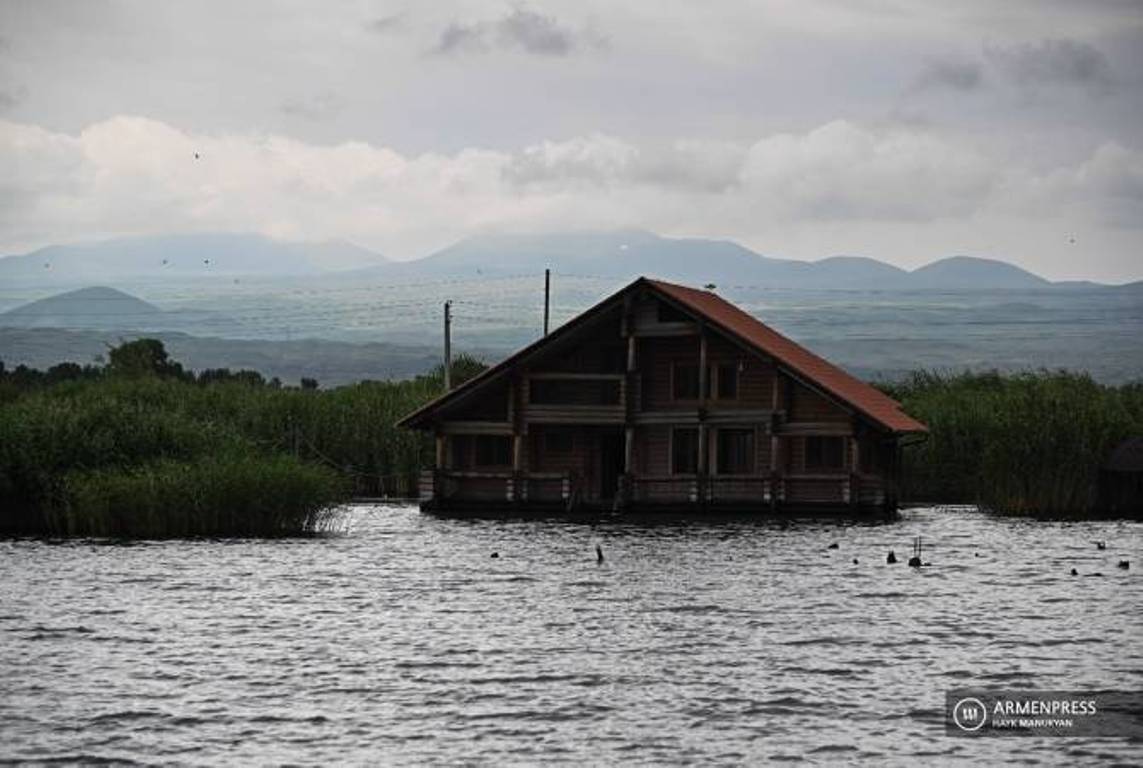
(401, 640)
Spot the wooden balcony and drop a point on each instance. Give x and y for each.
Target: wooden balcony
(556, 489)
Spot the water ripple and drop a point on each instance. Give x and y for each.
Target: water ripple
(402, 641)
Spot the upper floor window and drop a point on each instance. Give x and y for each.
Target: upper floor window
(721, 381)
(727, 377)
(685, 381)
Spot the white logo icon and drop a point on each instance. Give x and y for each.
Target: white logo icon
(970, 714)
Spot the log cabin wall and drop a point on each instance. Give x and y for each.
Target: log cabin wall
(565, 408)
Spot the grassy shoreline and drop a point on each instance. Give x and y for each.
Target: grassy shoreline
(141, 448)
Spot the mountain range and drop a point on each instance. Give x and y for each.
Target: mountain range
(615, 254)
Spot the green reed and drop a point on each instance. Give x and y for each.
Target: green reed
(229, 495)
(73, 452)
(1027, 443)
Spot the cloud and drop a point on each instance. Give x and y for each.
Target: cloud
(522, 30)
(386, 24)
(843, 170)
(1052, 62)
(9, 99)
(459, 38)
(535, 33)
(955, 74)
(599, 160)
(825, 190)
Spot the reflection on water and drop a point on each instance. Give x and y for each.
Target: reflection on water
(403, 639)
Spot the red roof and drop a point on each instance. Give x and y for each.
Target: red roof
(814, 370)
(811, 369)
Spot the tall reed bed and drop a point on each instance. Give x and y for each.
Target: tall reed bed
(1029, 443)
(124, 458)
(141, 453)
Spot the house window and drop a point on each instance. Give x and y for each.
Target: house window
(493, 451)
(684, 451)
(735, 452)
(461, 456)
(574, 392)
(727, 381)
(685, 381)
(558, 441)
(825, 452)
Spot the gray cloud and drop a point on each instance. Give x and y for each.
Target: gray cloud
(535, 33)
(521, 30)
(949, 73)
(386, 24)
(1053, 62)
(461, 38)
(10, 97)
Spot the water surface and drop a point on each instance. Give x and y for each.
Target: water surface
(402, 640)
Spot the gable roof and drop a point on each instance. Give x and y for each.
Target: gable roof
(813, 370)
(810, 369)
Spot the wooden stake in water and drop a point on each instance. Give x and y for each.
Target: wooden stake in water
(915, 560)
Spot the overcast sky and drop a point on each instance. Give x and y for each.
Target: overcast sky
(905, 131)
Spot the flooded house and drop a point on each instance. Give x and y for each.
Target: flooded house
(664, 398)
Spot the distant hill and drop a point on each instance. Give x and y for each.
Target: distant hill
(183, 256)
(620, 254)
(107, 309)
(629, 253)
(85, 308)
(961, 272)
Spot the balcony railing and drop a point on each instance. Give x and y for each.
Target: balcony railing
(714, 490)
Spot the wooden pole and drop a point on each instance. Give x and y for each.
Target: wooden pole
(547, 298)
(448, 346)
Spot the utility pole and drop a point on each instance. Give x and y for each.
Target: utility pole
(448, 346)
(547, 298)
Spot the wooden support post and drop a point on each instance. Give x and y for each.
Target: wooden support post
(442, 453)
(448, 346)
(547, 298)
(703, 433)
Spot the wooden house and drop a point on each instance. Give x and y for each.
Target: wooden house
(663, 398)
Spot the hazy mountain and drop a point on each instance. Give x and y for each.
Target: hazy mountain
(626, 254)
(86, 308)
(182, 256)
(619, 254)
(104, 308)
(960, 272)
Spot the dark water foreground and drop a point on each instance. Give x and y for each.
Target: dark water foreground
(403, 641)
